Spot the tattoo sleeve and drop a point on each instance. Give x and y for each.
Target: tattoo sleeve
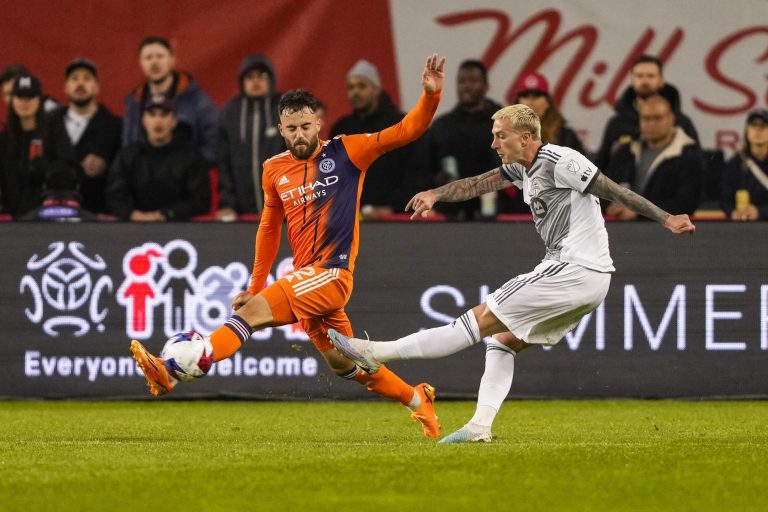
(606, 188)
(474, 186)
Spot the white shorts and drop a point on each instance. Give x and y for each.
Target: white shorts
(542, 306)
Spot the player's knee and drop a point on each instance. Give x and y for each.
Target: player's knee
(511, 341)
(256, 312)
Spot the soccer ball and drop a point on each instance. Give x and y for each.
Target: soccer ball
(188, 355)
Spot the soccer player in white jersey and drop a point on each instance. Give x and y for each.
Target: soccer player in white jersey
(538, 308)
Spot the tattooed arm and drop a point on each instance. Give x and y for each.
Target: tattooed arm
(455, 191)
(606, 188)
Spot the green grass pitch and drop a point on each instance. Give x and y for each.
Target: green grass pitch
(546, 455)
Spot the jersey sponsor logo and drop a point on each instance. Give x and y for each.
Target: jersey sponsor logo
(310, 191)
(587, 174)
(283, 180)
(539, 208)
(327, 165)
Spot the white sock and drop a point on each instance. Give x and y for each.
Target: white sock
(495, 384)
(415, 401)
(431, 343)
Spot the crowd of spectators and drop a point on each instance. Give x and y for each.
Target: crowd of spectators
(175, 156)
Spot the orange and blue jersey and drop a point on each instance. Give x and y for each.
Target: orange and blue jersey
(320, 197)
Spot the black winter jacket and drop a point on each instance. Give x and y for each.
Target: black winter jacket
(173, 179)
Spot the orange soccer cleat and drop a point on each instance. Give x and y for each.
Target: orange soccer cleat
(159, 380)
(425, 413)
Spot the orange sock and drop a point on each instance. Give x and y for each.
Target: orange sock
(228, 338)
(385, 383)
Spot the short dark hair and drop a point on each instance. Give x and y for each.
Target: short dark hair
(660, 97)
(12, 71)
(649, 59)
(296, 100)
(475, 64)
(155, 40)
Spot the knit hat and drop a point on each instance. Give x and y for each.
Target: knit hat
(366, 70)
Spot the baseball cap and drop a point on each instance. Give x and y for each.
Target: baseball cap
(532, 82)
(159, 101)
(81, 63)
(366, 70)
(758, 113)
(27, 86)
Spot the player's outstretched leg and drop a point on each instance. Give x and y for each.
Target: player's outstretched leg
(226, 340)
(427, 344)
(159, 380)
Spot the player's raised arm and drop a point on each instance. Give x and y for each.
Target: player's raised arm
(606, 188)
(455, 191)
(363, 149)
(417, 120)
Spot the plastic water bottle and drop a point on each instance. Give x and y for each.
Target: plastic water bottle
(450, 167)
(488, 205)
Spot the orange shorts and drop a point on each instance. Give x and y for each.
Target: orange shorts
(315, 297)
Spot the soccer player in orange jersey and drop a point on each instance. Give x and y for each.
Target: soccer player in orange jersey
(315, 186)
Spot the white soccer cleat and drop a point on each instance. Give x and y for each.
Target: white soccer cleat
(464, 435)
(359, 351)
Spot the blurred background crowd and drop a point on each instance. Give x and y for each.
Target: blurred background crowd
(175, 155)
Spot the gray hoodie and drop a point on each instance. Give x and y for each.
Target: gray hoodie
(247, 136)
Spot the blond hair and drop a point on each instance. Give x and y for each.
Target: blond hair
(522, 117)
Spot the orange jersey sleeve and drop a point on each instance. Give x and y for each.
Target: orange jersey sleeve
(363, 149)
(267, 236)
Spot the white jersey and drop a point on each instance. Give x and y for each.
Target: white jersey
(567, 218)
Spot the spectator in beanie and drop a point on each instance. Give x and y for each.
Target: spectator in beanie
(397, 175)
(248, 135)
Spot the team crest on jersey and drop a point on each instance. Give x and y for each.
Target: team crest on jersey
(539, 208)
(534, 187)
(327, 165)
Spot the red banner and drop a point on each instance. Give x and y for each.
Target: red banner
(312, 44)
